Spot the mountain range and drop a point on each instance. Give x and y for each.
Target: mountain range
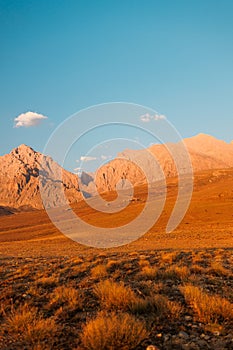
(20, 170)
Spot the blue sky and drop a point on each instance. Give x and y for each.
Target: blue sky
(57, 57)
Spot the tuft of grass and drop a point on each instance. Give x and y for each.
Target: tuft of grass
(143, 262)
(113, 295)
(28, 324)
(148, 272)
(157, 305)
(50, 281)
(197, 269)
(113, 331)
(175, 309)
(175, 273)
(168, 257)
(113, 265)
(77, 261)
(208, 308)
(99, 271)
(23, 272)
(217, 269)
(67, 297)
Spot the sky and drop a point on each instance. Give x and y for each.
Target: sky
(59, 57)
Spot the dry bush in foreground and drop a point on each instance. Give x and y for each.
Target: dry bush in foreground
(113, 295)
(113, 331)
(28, 325)
(208, 308)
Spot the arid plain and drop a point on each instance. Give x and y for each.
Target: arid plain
(164, 290)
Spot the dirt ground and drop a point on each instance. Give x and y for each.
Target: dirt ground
(174, 289)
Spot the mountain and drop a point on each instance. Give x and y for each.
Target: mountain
(206, 152)
(217, 150)
(19, 179)
(19, 171)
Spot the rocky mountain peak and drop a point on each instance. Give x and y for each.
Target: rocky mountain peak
(19, 178)
(23, 150)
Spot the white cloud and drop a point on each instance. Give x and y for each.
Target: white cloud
(28, 119)
(159, 117)
(104, 157)
(87, 158)
(145, 118)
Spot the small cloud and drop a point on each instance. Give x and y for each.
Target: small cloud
(28, 119)
(104, 157)
(87, 158)
(145, 118)
(158, 117)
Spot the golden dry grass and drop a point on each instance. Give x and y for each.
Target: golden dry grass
(113, 331)
(157, 307)
(207, 308)
(99, 271)
(148, 272)
(69, 293)
(66, 297)
(29, 326)
(218, 269)
(47, 281)
(114, 295)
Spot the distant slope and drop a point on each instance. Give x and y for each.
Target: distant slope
(208, 222)
(206, 153)
(217, 150)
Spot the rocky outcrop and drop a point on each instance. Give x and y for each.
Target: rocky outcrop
(19, 179)
(6, 211)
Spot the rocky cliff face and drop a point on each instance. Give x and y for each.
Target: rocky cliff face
(19, 179)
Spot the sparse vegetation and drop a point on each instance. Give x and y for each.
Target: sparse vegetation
(106, 303)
